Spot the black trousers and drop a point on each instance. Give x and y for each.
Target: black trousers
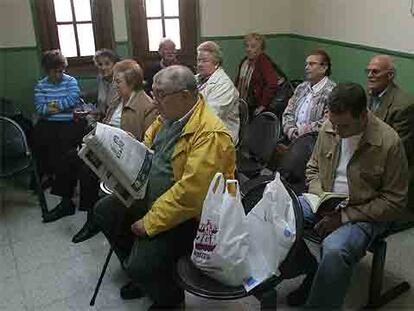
(149, 261)
(54, 146)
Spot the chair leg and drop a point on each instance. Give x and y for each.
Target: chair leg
(39, 190)
(267, 299)
(98, 285)
(376, 298)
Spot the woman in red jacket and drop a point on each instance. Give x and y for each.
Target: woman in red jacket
(257, 79)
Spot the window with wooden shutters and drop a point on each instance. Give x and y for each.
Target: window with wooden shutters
(77, 27)
(151, 20)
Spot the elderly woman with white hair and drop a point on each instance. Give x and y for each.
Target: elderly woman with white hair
(217, 88)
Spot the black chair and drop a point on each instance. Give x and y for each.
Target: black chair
(16, 158)
(195, 282)
(292, 165)
(376, 297)
(261, 137)
(244, 120)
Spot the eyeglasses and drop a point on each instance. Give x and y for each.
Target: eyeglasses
(376, 72)
(160, 95)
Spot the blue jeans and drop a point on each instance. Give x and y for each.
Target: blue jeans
(341, 251)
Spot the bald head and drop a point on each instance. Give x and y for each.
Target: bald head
(380, 73)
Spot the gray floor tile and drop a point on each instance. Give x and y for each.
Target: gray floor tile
(54, 274)
(47, 284)
(7, 262)
(11, 294)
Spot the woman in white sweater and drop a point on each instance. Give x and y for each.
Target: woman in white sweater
(217, 88)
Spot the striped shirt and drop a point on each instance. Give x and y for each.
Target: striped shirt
(63, 96)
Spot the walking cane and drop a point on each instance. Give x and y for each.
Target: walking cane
(98, 285)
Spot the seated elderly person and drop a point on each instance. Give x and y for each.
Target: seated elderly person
(217, 88)
(393, 106)
(104, 60)
(168, 55)
(131, 110)
(190, 145)
(359, 155)
(257, 79)
(55, 134)
(306, 109)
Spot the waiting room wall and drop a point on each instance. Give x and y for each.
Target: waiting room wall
(351, 31)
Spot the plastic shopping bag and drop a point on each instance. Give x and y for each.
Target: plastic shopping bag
(221, 245)
(271, 226)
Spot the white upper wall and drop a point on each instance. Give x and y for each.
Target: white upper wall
(238, 17)
(16, 24)
(380, 23)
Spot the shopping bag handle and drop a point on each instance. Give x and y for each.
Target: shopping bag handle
(217, 183)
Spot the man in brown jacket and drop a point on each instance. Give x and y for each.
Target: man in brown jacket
(393, 106)
(358, 154)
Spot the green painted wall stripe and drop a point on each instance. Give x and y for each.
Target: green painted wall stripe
(18, 49)
(321, 40)
(354, 45)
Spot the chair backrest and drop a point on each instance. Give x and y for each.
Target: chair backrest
(13, 144)
(8, 108)
(262, 135)
(293, 164)
(243, 117)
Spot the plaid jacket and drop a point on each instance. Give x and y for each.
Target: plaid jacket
(317, 113)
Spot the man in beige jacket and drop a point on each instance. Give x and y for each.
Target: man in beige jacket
(358, 154)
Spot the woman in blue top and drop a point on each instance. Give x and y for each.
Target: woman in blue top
(56, 135)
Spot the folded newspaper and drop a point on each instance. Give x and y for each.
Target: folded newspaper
(119, 160)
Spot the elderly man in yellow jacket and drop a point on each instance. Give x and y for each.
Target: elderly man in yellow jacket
(190, 145)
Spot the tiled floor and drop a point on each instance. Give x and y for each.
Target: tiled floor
(40, 269)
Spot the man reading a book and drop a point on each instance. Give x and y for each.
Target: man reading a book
(190, 146)
(359, 155)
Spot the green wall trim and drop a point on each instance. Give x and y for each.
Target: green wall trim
(355, 46)
(321, 40)
(19, 49)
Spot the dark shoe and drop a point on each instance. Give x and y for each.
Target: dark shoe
(47, 182)
(88, 230)
(64, 208)
(299, 296)
(131, 291)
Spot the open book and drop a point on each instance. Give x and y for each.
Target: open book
(119, 160)
(330, 199)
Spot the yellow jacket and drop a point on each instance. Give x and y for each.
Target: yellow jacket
(204, 148)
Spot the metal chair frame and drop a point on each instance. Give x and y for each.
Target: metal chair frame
(29, 166)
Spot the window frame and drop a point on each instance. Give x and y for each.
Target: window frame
(188, 17)
(102, 23)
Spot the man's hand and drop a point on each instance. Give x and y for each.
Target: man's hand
(138, 228)
(329, 223)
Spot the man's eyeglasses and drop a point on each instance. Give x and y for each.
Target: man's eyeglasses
(160, 95)
(376, 72)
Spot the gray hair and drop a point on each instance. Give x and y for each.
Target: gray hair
(175, 78)
(214, 49)
(165, 41)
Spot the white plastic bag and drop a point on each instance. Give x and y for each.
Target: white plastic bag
(221, 245)
(272, 232)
